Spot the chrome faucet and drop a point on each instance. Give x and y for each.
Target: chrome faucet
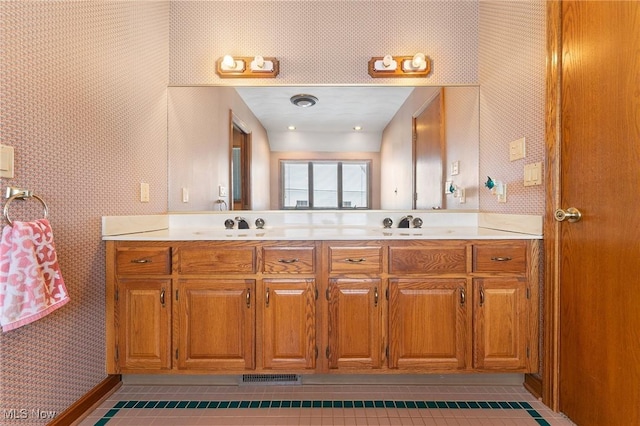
(405, 222)
(242, 223)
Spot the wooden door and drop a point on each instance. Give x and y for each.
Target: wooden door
(144, 316)
(428, 323)
(500, 318)
(428, 155)
(599, 256)
(289, 324)
(240, 168)
(354, 323)
(216, 324)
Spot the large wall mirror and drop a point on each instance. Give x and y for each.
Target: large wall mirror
(379, 147)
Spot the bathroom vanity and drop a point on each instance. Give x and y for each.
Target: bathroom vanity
(337, 298)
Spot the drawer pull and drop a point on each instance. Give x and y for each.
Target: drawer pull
(463, 296)
(162, 297)
(349, 260)
(500, 259)
(141, 261)
(375, 297)
(294, 260)
(481, 296)
(248, 298)
(266, 297)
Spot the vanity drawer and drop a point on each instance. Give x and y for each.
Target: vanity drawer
(300, 260)
(355, 259)
(507, 257)
(222, 259)
(143, 260)
(428, 260)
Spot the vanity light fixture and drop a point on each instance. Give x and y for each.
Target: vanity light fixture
(291, 127)
(418, 65)
(247, 67)
(357, 128)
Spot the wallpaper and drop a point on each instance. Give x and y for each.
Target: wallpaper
(83, 103)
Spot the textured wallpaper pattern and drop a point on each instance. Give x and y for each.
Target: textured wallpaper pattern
(512, 100)
(323, 42)
(83, 103)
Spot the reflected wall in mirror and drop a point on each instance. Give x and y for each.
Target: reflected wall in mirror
(200, 139)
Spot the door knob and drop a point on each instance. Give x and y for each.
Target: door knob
(571, 214)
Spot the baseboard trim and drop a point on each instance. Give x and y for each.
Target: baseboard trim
(84, 404)
(533, 384)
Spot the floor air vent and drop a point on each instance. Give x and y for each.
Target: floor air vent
(271, 379)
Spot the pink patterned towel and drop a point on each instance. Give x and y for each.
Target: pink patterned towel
(31, 285)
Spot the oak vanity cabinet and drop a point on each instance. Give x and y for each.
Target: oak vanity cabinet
(392, 306)
(355, 305)
(215, 315)
(288, 306)
(463, 305)
(429, 298)
(505, 314)
(139, 306)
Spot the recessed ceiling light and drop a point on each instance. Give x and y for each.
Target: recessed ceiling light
(304, 101)
(357, 128)
(291, 127)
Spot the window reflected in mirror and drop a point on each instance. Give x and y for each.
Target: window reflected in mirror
(325, 184)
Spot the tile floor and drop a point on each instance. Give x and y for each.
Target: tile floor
(323, 405)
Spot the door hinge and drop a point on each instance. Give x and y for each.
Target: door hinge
(386, 293)
(528, 293)
(326, 294)
(327, 352)
(176, 353)
(176, 295)
(386, 352)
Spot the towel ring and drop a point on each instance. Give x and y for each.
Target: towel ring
(22, 196)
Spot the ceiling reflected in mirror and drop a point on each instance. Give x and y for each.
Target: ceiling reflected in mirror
(337, 110)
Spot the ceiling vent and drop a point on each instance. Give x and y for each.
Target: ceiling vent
(304, 101)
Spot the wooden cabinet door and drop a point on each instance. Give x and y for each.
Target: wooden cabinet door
(500, 323)
(144, 324)
(428, 323)
(289, 324)
(355, 332)
(216, 324)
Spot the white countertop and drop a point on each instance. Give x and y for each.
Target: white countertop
(334, 225)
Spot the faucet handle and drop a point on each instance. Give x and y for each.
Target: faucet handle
(387, 222)
(260, 223)
(417, 222)
(228, 224)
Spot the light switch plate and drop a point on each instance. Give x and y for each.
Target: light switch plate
(533, 174)
(6, 161)
(455, 168)
(144, 192)
(222, 191)
(185, 195)
(517, 149)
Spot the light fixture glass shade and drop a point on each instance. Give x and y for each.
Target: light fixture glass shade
(228, 62)
(418, 60)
